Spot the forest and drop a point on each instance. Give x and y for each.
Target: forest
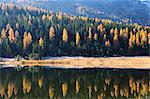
(35, 32)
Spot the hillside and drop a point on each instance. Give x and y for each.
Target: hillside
(34, 32)
(136, 11)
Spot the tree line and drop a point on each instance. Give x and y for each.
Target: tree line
(36, 32)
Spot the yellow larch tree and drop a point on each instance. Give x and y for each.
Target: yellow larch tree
(107, 43)
(25, 40)
(137, 39)
(11, 35)
(143, 35)
(121, 33)
(148, 38)
(90, 33)
(111, 31)
(65, 35)
(59, 16)
(51, 33)
(29, 38)
(3, 34)
(95, 36)
(77, 38)
(100, 27)
(41, 42)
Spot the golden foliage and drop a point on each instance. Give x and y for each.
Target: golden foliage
(107, 81)
(107, 43)
(144, 89)
(121, 33)
(104, 37)
(10, 89)
(59, 16)
(111, 31)
(95, 88)
(51, 92)
(8, 27)
(148, 38)
(65, 35)
(44, 17)
(11, 35)
(26, 83)
(77, 38)
(3, 34)
(2, 89)
(90, 33)
(27, 39)
(137, 39)
(116, 31)
(95, 36)
(51, 33)
(116, 90)
(40, 82)
(64, 89)
(77, 87)
(41, 42)
(100, 27)
(90, 91)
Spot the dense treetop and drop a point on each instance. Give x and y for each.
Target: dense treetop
(31, 31)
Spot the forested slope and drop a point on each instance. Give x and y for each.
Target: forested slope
(36, 32)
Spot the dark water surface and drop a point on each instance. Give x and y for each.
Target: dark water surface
(44, 83)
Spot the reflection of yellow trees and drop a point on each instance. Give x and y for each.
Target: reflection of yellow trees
(116, 90)
(64, 89)
(95, 88)
(40, 82)
(77, 86)
(112, 93)
(10, 89)
(107, 81)
(90, 91)
(144, 89)
(2, 90)
(26, 85)
(138, 86)
(51, 92)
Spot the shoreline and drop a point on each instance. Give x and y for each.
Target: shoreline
(85, 62)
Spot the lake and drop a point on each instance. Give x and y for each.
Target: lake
(58, 83)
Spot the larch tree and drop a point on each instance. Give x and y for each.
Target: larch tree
(77, 38)
(25, 40)
(59, 16)
(121, 33)
(149, 38)
(100, 27)
(107, 43)
(41, 42)
(95, 36)
(111, 32)
(65, 35)
(90, 34)
(3, 34)
(11, 35)
(137, 39)
(51, 33)
(29, 38)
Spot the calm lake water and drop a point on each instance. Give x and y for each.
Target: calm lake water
(45, 82)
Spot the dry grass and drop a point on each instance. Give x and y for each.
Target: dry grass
(111, 62)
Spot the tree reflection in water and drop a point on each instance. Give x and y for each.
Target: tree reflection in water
(41, 82)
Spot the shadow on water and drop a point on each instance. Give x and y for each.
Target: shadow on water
(44, 82)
